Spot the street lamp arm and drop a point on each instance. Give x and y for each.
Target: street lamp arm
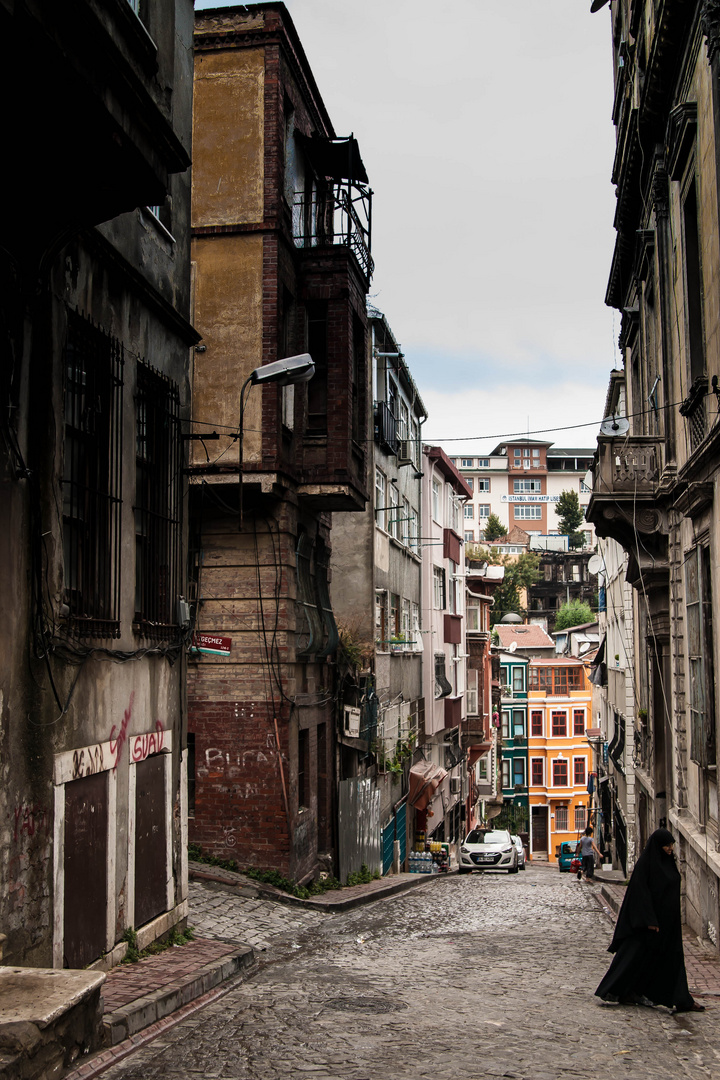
(291, 369)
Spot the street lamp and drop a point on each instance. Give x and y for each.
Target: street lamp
(292, 369)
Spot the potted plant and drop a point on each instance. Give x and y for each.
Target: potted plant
(397, 643)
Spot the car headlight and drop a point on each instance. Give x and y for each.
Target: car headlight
(465, 851)
(507, 851)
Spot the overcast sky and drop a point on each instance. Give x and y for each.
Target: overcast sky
(485, 128)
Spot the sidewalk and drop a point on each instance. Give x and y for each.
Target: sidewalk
(701, 961)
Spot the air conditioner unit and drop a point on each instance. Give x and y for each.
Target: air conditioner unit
(351, 721)
(405, 452)
(454, 785)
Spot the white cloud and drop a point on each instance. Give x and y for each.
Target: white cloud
(485, 129)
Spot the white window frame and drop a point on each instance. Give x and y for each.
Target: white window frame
(439, 591)
(436, 501)
(380, 496)
(527, 513)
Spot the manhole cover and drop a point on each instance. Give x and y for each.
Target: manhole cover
(365, 1004)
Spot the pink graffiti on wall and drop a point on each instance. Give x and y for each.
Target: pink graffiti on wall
(142, 746)
(119, 738)
(30, 819)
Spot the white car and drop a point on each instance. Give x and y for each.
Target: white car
(488, 849)
(520, 850)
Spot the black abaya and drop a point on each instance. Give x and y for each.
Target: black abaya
(650, 963)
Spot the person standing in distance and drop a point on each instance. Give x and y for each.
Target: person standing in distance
(586, 847)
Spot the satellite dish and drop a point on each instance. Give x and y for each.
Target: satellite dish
(512, 646)
(595, 564)
(615, 425)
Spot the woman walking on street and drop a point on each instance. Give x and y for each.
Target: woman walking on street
(649, 963)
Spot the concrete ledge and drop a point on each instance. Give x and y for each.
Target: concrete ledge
(48, 1020)
(141, 1013)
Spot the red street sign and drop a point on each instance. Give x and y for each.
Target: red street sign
(211, 643)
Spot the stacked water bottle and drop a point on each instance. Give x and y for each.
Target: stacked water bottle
(421, 862)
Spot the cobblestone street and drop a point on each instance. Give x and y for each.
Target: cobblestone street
(467, 977)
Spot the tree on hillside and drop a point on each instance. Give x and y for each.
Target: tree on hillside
(520, 573)
(494, 528)
(571, 516)
(575, 613)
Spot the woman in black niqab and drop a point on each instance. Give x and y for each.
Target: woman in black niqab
(649, 963)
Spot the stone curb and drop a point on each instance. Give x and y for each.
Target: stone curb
(239, 883)
(609, 899)
(139, 1014)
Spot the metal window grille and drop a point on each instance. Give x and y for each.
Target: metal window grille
(580, 818)
(92, 478)
(442, 685)
(561, 818)
(158, 505)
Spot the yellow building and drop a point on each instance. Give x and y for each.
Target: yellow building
(559, 754)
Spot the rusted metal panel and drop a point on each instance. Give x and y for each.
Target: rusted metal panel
(150, 839)
(85, 867)
(358, 826)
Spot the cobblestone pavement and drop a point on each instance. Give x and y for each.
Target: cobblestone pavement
(468, 978)
(217, 912)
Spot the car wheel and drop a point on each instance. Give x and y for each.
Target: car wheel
(464, 870)
(523, 867)
(513, 870)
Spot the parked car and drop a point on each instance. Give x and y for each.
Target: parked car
(520, 850)
(566, 854)
(488, 849)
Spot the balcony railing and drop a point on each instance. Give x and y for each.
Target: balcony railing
(386, 427)
(342, 217)
(631, 465)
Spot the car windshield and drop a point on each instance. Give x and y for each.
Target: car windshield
(480, 836)
(567, 848)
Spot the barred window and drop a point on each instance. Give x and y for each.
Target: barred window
(561, 818)
(158, 494)
(580, 819)
(92, 477)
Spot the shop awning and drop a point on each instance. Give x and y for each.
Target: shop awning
(425, 779)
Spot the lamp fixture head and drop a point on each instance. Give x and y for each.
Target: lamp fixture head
(291, 369)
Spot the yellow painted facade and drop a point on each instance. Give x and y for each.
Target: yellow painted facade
(560, 757)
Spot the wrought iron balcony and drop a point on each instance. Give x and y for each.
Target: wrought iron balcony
(340, 216)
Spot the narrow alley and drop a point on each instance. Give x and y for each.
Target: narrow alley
(484, 976)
